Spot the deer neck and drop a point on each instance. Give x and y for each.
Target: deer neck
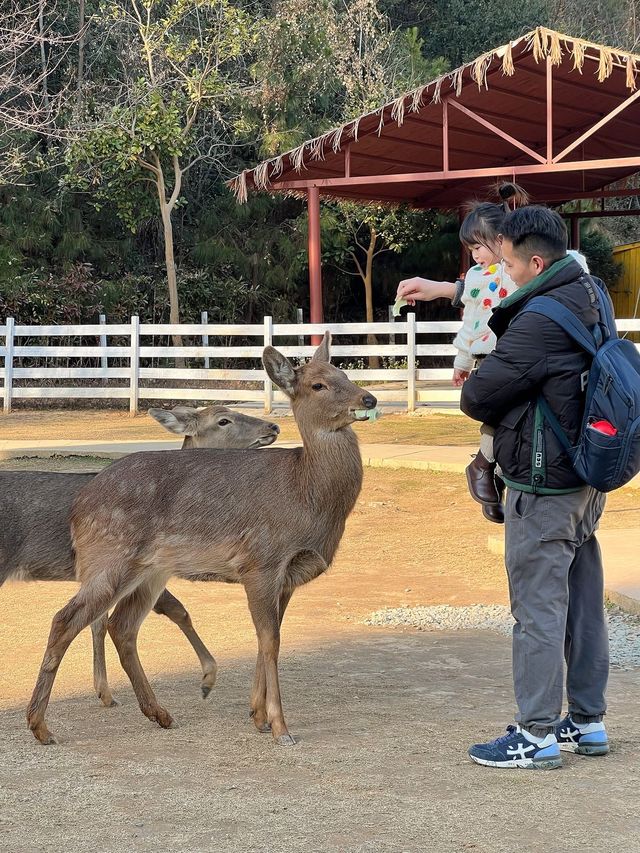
(332, 468)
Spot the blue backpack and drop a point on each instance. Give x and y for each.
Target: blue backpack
(603, 461)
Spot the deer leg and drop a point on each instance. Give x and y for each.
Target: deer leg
(169, 606)
(259, 692)
(123, 626)
(99, 633)
(86, 606)
(266, 619)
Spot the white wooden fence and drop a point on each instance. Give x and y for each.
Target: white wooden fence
(403, 346)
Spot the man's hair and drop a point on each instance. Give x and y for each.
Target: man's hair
(536, 230)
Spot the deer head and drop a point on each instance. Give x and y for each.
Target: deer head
(216, 427)
(322, 397)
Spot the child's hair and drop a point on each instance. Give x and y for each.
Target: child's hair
(483, 222)
(538, 231)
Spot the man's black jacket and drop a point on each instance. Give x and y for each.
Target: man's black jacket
(535, 356)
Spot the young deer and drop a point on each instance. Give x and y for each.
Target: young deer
(271, 521)
(35, 540)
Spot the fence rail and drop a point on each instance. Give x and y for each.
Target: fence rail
(125, 360)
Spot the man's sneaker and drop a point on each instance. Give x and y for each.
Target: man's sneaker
(515, 750)
(585, 739)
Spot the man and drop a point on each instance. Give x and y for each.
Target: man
(553, 560)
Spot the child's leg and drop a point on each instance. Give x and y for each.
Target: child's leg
(486, 442)
(481, 478)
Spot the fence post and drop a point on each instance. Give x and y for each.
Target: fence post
(300, 317)
(8, 365)
(204, 319)
(268, 387)
(104, 361)
(411, 362)
(134, 382)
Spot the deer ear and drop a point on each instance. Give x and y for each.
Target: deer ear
(280, 370)
(182, 420)
(323, 353)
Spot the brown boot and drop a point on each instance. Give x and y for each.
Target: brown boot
(481, 480)
(493, 513)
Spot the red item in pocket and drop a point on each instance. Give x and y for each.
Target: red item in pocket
(605, 427)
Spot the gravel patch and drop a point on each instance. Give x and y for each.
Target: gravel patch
(624, 629)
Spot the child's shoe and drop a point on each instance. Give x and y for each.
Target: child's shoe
(481, 480)
(518, 749)
(582, 738)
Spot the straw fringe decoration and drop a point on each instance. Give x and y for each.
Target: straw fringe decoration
(418, 99)
(316, 148)
(539, 44)
(435, 98)
(508, 68)
(335, 139)
(381, 122)
(397, 110)
(479, 69)
(577, 53)
(278, 167)
(456, 80)
(631, 73)
(260, 175)
(240, 187)
(605, 65)
(297, 158)
(355, 127)
(555, 48)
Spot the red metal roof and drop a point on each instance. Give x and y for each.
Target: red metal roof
(506, 88)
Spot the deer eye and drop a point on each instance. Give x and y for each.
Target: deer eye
(223, 422)
(318, 386)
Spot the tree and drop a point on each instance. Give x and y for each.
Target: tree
(361, 233)
(35, 46)
(181, 73)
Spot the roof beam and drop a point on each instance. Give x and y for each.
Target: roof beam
(596, 127)
(417, 177)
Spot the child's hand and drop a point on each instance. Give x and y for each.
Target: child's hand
(459, 377)
(422, 289)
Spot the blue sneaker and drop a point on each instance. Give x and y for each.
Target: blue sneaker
(584, 739)
(515, 750)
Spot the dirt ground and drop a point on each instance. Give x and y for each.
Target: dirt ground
(103, 425)
(383, 717)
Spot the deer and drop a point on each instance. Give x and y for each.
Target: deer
(35, 536)
(269, 521)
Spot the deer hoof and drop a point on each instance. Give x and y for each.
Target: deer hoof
(286, 740)
(43, 734)
(109, 702)
(163, 719)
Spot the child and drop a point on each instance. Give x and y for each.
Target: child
(484, 286)
(551, 553)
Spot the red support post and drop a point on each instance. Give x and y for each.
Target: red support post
(575, 233)
(445, 135)
(549, 110)
(315, 272)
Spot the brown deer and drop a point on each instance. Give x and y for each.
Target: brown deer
(35, 540)
(271, 521)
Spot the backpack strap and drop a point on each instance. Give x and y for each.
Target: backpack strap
(554, 423)
(566, 319)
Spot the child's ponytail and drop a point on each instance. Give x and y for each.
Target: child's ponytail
(512, 196)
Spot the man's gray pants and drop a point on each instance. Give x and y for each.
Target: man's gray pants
(556, 587)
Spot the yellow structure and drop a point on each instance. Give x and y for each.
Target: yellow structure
(626, 293)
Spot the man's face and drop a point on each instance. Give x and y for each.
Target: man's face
(518, 268)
